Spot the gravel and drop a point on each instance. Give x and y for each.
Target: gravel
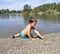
(50, 45)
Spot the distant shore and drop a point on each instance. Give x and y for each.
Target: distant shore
(43, 13)
(50, 45)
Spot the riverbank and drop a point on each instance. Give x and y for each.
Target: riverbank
(51, 45)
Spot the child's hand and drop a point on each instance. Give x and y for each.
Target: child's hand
(42, 37)
(33, 39)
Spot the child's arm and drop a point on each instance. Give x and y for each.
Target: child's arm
(38, 34)
(30, 36)
(28, 32)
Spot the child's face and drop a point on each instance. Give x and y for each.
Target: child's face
(33, 24)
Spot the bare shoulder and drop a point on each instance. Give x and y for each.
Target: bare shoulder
(28, 26)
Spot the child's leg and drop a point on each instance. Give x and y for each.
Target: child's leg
(17, 35)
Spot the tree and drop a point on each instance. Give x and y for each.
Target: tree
(26, 11)
(58, 7)
(27, 8)
(49, 8)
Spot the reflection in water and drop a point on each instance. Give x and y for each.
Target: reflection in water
(4, 16)
(50, 17)
(13, 23)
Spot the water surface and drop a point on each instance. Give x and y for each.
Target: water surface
(14, 23)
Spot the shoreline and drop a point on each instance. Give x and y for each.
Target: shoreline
(50, 45)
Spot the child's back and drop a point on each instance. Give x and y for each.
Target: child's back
(26, 30)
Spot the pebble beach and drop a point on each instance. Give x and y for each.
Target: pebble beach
(50, 45)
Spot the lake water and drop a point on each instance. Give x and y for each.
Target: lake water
(14, 23)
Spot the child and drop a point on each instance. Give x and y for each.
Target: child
(25, 33)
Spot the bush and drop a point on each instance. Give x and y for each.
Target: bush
(25, 14)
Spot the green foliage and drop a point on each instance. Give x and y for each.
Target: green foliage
(7, 11)
(49, 8)
(4, 11)
(50, 11)
(25, 14)
(13, 11)
(27, 9)
(19, 11)
(58, 7)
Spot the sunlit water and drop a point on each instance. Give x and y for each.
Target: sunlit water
(14, 23)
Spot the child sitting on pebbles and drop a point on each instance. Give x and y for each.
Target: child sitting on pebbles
(25, 33)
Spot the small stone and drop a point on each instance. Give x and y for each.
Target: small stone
(9, 53)
(1, 51)
(34, 50)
